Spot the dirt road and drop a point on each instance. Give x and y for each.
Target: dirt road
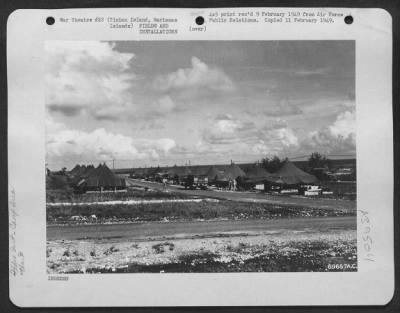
(253, 196)
(146, 230)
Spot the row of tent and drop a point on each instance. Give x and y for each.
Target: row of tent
(288, 174)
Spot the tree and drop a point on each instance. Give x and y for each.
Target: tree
(189, 182)
(272, 165)
(317, 160)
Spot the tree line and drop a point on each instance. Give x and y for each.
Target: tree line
(315, 160)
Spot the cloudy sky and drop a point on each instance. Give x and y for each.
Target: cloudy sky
(164, 103)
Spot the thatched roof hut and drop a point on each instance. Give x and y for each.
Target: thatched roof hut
(256, 174)
(290, 174)
(214, 175)
(101, 178)
(234, 171)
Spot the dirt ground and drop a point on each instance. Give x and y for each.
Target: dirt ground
(236, 251)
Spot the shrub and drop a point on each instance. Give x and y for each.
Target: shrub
(110, 250)
(160, 247)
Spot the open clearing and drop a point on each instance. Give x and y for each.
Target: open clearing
(311, 244)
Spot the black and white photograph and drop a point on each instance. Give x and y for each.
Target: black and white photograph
(172, 157)
(200, 156)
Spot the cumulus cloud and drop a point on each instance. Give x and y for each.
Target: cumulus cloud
(77, 145)
(199, 75)
(86, 76)
(158, 146)
(95, 145)
(338, 138)
(286, 137)
(344, 125)
(275, 139)
(224, 129)
(227, 133)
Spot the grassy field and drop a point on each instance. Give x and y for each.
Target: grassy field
(184, 211)
(66, 195)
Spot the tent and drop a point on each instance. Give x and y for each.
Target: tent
(78, 170)
(178, 174)
(184, 172)
(234, 171)
(81, 173)
(101, 178)
(215, 174)
(200, 171)
(75, 170)
(200, 175)
(256, 174)
(173, 171)
(290, 174)
(88, 170)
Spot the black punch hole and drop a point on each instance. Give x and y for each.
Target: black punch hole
(199, 20)
(50, 20)
(348, 19)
